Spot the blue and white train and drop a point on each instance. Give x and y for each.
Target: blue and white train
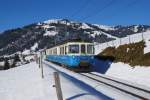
(72, 54)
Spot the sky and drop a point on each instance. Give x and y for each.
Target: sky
(18, 13)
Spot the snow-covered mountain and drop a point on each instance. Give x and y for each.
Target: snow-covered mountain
(45, 34)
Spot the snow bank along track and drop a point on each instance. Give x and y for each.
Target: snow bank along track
(127, 88)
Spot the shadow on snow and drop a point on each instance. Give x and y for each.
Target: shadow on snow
(102, 63)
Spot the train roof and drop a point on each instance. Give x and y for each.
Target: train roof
(76, 40)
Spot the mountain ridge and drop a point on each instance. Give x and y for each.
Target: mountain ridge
(50, 32)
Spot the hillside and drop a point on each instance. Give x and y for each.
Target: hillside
(132, 54)
(45, 34)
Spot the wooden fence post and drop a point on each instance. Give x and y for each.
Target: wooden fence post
(129, 39)
(58, 86)
(39, 62)
(142, 36)
(41, 65)
(120, 41)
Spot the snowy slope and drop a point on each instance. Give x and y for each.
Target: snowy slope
(105, 27)
(126, 40)
(138, 74)
(50, 33)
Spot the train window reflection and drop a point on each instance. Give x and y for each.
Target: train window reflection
(73, 48)
(90, 49)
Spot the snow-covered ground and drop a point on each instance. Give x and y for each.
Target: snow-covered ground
(138, 74)
(50, 33)
(84, 83)
(26, 52)
(34, 47)
(25, 83)
(105, 27)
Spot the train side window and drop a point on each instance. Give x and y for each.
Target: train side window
(90, 49)
(65, 50)
(73, 48)
(55, 51)
(61, 50)
(83, 49)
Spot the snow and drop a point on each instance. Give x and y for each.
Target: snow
(30, 57)
(125, 40)
(147, 48)
(51, 21)
(100, 32)
(2, 63)
(135, 28)
(85, 26)
(39, 24)
(25, 83)
(47, 26)
(50, 33)
(33, 48)
(107, 28)
(26, 52)
(96, 33)
(138, 74)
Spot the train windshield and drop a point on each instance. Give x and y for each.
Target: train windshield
(90, 49)
(73, 48)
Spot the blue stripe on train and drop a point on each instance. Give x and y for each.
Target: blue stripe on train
(70, 61)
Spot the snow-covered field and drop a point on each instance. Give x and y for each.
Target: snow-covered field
(138, 74)
(25, 83)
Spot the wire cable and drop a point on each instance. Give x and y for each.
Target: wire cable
(129, 5)
(101, 9)
(84, 5)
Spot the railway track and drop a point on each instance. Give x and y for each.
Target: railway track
(138, 92)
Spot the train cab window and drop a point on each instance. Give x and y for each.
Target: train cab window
(83, 49)
(90, 49)
(73, 48)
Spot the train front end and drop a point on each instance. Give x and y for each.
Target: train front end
(81, 55)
